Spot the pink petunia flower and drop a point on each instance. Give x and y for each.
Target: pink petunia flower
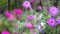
(29, 17)
(54, 10)
(26, 4)
(29, 25)
(51, 22)
(17, 11)
(9, 15)
(5, 32)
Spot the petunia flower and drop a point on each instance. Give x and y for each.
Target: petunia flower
(29, 17)
(26, 4)
(29, 25)
(17, 11)
(5, 32)
(51, 22)
(53, 10)
(9, 15)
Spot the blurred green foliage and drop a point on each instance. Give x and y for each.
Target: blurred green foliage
(2, 2)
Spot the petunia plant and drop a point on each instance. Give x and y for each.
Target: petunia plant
(44, 18)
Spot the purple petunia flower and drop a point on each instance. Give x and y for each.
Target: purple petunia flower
(58, 20)
(53, 10)
(26, 4)
(29, 17)
(51, 22)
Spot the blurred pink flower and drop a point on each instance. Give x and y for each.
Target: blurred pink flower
(39, 7)
(34, 33)
(5, 32)
(17, 11)
(52, 22)
(26, 4)
(53, 10)
(9, 15)
(29, 25)
(29, 17)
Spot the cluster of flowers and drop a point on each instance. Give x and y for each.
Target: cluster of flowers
(10, 15)
(53, 11)
(26, 4)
